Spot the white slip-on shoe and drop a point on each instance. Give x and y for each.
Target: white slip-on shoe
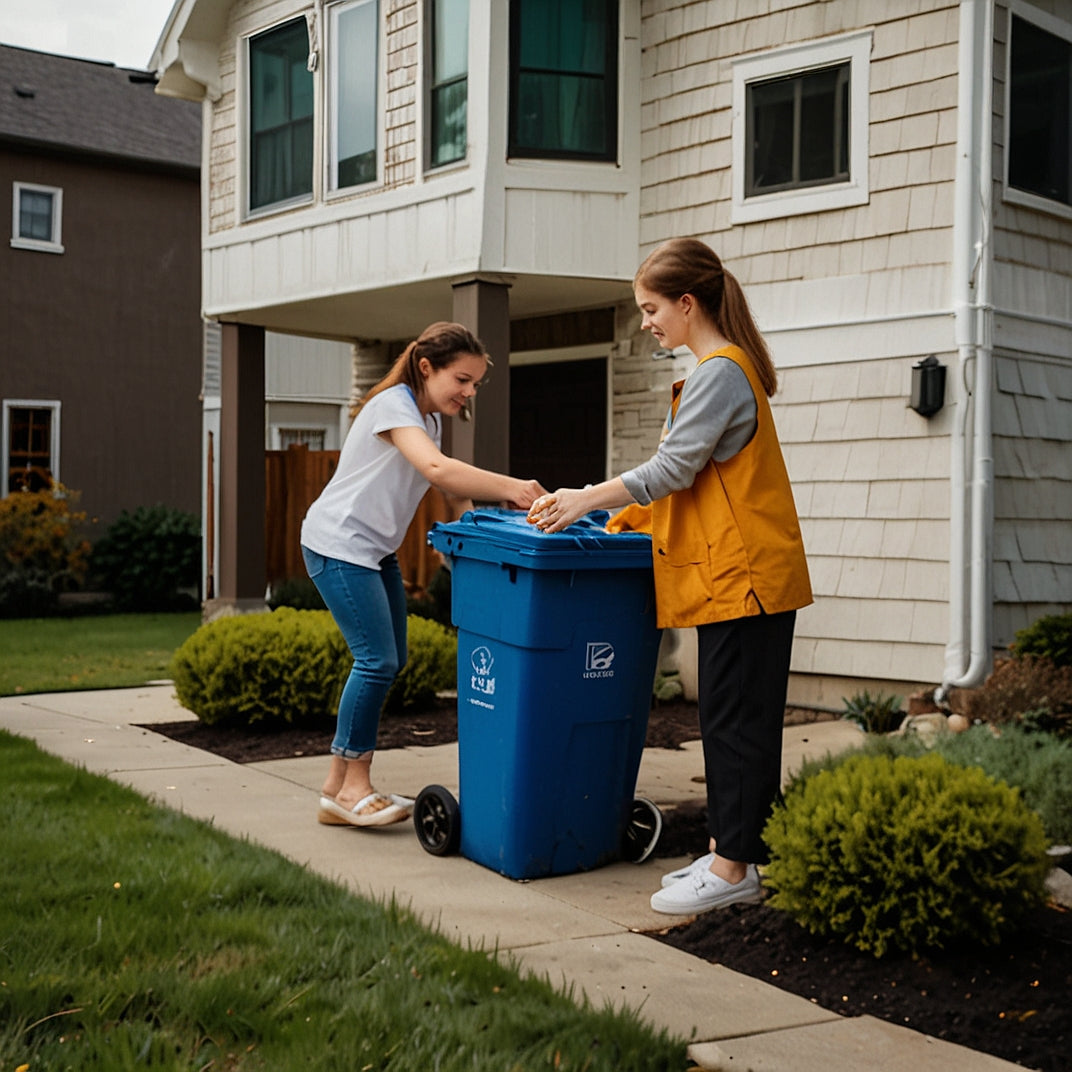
(701, 891)
(702, 864)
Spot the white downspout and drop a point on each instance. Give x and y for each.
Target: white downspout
(970, 586)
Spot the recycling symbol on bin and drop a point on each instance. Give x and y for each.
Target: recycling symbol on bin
(598, 659)
(482, 661)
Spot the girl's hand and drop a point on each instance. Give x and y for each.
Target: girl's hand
(552, 513)
(528, 491)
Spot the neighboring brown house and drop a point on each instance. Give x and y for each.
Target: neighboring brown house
(100, 325)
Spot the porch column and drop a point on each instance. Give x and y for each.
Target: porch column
(242, 566)
(482, 304)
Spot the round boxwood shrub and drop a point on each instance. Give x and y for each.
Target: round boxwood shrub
(907, 853)
(289, 667)
(284, 667)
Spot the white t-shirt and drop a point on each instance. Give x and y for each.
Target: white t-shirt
(364, 511)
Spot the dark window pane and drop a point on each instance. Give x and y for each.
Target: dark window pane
(281, 108)
(35, 215)
(29, 449)
(564, 78)
(771, 111)
(1040, 81)
(798, 130)
(449, 104)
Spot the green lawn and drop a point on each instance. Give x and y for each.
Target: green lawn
(89, 652)
(132, 936)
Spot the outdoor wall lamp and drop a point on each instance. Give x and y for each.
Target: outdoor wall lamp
(928, 386)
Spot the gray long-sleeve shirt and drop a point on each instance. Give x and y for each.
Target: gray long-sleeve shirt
(716, 418)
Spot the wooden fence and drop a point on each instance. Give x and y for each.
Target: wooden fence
(294, 478)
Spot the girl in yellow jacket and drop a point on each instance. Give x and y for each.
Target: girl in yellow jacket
(727, 554)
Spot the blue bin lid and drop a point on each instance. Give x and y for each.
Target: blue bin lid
(505, 536)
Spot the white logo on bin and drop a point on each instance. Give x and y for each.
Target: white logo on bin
(482, 661)
(598, 659)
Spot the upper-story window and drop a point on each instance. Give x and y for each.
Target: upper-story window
(564, 79)
(355, 77)
(448, 81)
(280, 116)
(800, 124)
(36, 217)
(1039, 85)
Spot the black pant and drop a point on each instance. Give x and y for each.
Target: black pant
(743, 679)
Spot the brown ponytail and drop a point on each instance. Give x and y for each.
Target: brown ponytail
(688, 266)
(441, 344)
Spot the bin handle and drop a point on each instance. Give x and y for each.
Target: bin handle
(594, 521)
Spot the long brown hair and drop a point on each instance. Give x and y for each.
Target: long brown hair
(441, 343)
(688, 266)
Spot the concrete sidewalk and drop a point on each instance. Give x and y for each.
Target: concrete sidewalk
(585, 930)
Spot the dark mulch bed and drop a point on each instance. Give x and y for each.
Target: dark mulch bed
(1014, 1002)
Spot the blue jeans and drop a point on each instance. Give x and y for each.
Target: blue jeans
(369, 607)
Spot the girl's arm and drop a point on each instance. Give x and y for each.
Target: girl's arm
(457, 478)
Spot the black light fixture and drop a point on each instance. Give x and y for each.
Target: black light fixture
(928, 386)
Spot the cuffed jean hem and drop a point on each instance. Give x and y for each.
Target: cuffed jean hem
(350, 753)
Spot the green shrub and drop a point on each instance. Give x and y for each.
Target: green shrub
(1039, 765)
(150, 559)
(878, 714)
(289, 667)
(1048, 638)
(909, 854)
(297, 592)
(41, 551)
(284, 667)
(431, 665)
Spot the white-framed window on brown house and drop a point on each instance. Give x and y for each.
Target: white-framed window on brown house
(800, 128)
(1038, 163)
(354, 78)
(31, 444)
(37, 217)
(313, 438)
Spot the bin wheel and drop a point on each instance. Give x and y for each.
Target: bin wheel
(641, 831)
(437, 821)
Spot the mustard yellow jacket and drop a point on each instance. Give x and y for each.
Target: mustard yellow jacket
(729, 546)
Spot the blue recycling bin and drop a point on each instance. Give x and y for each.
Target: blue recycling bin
(557, 652)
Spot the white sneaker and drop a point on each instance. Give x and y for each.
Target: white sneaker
(702, 864)
(701, 891)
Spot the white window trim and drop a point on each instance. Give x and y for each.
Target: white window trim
(331, 156)
(244, 67)
(5, 446)
(19, 241)
(1059, 28)
(795, 59)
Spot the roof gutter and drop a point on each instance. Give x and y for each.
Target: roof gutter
(968, 651)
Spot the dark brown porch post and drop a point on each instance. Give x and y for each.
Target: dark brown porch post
(483, 306)
(242, 568)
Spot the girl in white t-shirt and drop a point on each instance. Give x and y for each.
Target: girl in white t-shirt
(350, 534)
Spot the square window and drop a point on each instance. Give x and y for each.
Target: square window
(564, 79)
(36, 217)
(800, 129)
(354, 92)
(448, 81)
(280, 116)
(1038, 108)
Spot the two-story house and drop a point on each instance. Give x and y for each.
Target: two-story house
(889, 181)
(100, 325)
